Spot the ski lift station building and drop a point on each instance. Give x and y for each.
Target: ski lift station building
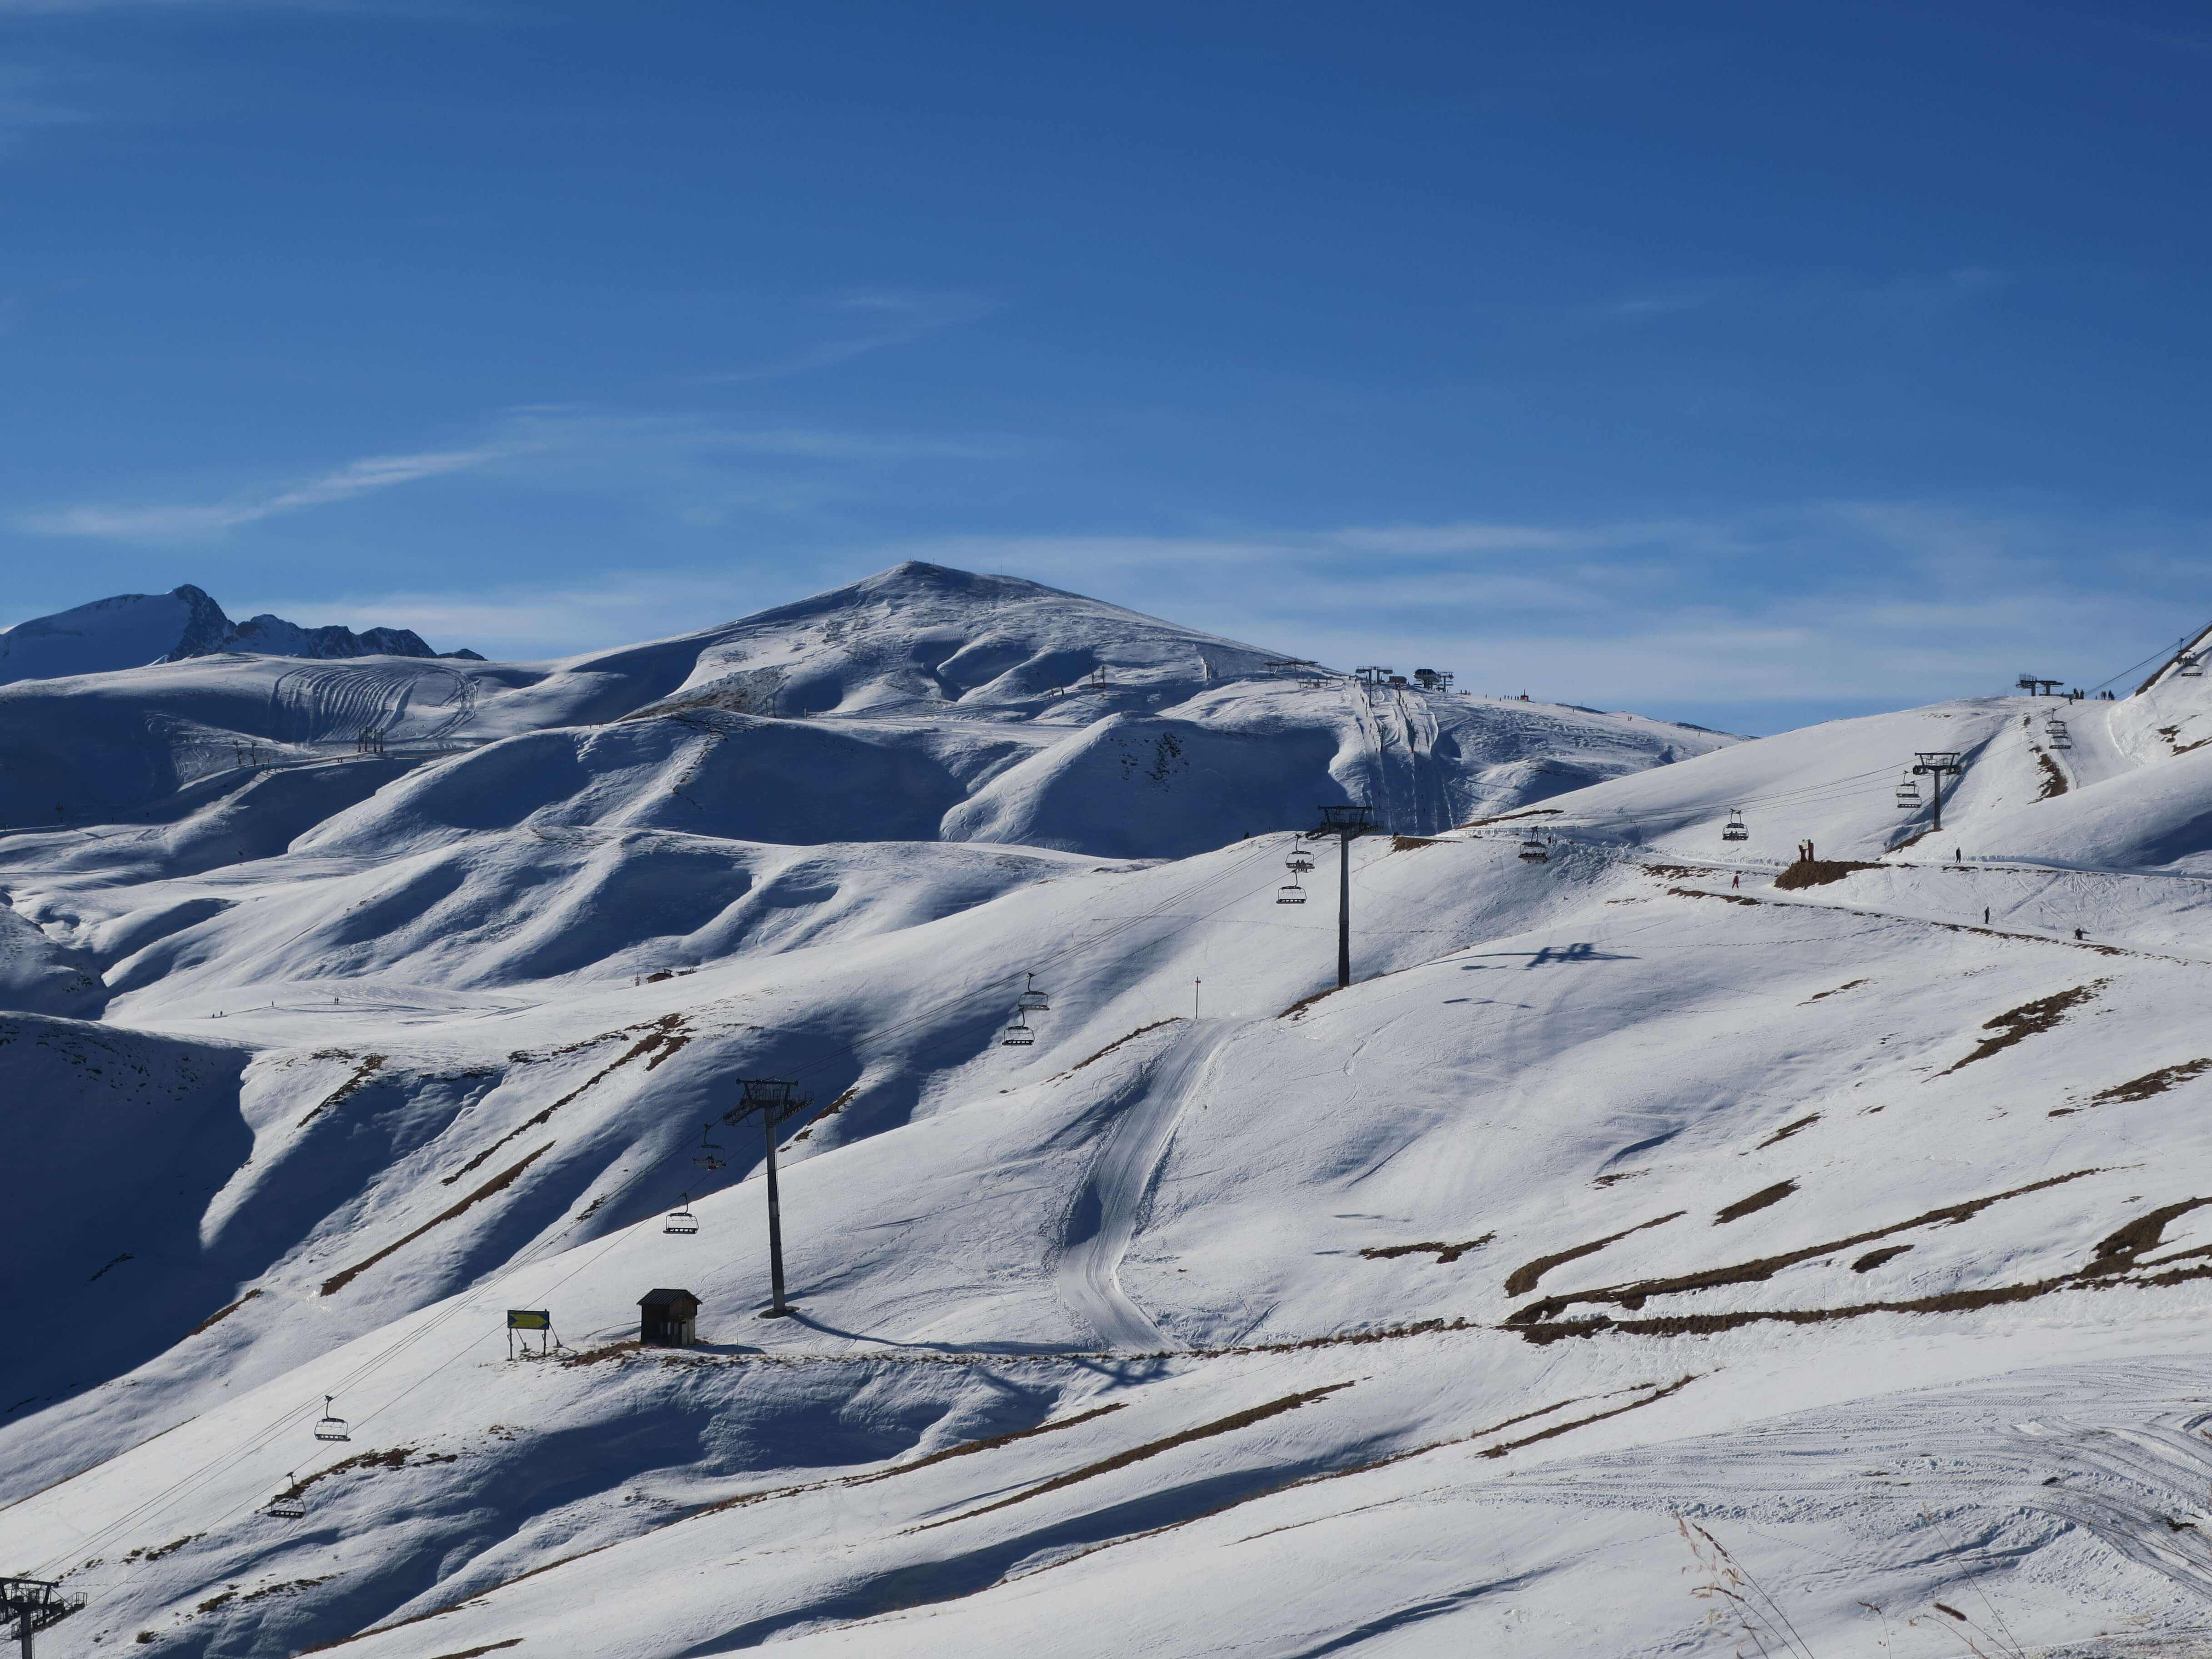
(667, 1319)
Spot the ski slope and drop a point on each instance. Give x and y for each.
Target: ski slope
(1637, 1232)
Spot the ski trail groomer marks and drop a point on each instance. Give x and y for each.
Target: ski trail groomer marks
(1104, 1216)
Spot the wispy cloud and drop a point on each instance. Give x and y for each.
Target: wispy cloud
(869, 323)
(1899, 601)
(1806, 606)
(341, 483)
(1668, 302)
(683, 460)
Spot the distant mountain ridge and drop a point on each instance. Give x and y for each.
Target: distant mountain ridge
(132, 630)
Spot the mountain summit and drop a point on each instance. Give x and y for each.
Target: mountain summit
(133, 630)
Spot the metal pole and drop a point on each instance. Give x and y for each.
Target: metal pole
(775, 1308)
(1343, 910)
(1939, 799)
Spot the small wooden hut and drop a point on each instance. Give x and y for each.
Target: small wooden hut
(667, 1319)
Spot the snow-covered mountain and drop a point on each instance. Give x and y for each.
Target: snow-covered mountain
(1658, 1227)
(134, 629)
(921, 704)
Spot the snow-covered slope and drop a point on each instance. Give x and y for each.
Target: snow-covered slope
(918, 704)
(1639, 1232)
(133, 628)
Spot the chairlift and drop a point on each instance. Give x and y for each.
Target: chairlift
(1018, 1034)
(1291, 893)
(1032, 1001)
(680, 1219)
(330, 1427)
(1532, 850)
(2055, 731)
(1908, 793)
(709, 1155)
(2191, 667)
(290, 1504)
(1300, 859)
(1734, 830)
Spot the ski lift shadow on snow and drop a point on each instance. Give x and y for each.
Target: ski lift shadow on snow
(1550, 956)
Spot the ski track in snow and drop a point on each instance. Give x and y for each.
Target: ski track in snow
(1103, 1219)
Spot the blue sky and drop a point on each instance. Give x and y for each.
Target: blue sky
(1738, 362)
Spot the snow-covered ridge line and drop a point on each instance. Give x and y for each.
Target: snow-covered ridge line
(133, 630)
(395, 1043)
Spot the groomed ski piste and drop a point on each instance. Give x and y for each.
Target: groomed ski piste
(1666, 1245)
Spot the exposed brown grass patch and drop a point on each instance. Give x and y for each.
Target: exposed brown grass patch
(1758, 1200)
(1508, 817)
(1873, 1259)
(1407, 843)
(1522, 1280)
(1296, 1010)
(2116, 1252)
(498, 1183)
(1633, 1296)
(370, 1064)
(2143, 1087)
(969, 1448)
(2029, 1020)
(1122, 1459)
(221, 1314)
(2054, 781)
(1117, 1042)
(662, 1038)
(1819, 872)
(1699, 892)
(394, 1457)
(1786, 1131)
(1446, 1254)
(1950, 1302)
(1651, 1399)
(1848, 985)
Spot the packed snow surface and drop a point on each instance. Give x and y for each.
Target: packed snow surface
(1667, 1244)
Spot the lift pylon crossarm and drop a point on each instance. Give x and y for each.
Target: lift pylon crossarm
(31, 1605)
(1937, 764)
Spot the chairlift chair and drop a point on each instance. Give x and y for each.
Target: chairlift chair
(1532, 851)
(1908, 793)
(1291, 893)
(1734, 830)
(1032, 1001)
(1018, 1034)
(2055, 733)
(680, 1219)
(2191, 667)
(331, 1427)
(709, 1155)
(288, 1505)
(1300, 859)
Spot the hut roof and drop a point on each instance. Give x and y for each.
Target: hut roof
(666, 1298)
